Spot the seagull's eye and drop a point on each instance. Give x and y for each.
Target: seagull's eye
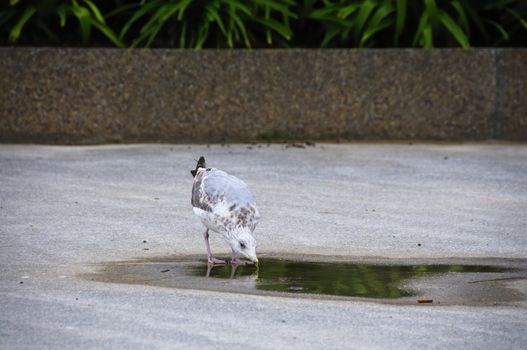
(242, 245)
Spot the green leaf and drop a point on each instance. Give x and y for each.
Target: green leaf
(239, 23)
(377, 22)
(324, 12)
(14, 34)
(423, 35)
(463, 20)
(268, 35)
(333, 20)
(182, 9)
(431, 10)
(159, 18)
(234, 4)
(348, 10)
(202, 35)
(278, 27)
(120, 9)
(42, 26)
(229, 39)
(144, 36)
(108, 33)
(476, 19)
(149, 6)
(382, 11)
(95, 11)
(230, 33)
(13, 2)
(497, 4)
(169, 10)
(182, 35)
(215, 17)
(427, 36)
(371, 30)
(330, 35)
(61, 11)
(454, 29)
(83, 15)
(273, 5)
(400, 19)
(517, 16)
(154, 20)
(500, 29)
(152, 36)
(363, 15)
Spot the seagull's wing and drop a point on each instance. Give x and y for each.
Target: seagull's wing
(224, 196)
(212, 186)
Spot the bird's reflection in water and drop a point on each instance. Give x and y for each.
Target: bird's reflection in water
(239, 272)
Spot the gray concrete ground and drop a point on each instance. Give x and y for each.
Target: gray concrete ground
(65, 209)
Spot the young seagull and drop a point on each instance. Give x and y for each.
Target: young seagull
(225, 205)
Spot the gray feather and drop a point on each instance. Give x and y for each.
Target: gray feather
(225, 200)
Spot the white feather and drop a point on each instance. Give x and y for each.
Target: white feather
(223, 202)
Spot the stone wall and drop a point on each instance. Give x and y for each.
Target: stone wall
(81, 96)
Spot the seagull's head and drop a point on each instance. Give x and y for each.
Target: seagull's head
(244, 245)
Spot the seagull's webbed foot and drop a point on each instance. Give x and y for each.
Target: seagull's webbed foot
(212, 260)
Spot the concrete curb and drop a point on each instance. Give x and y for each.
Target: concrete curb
(86, 96)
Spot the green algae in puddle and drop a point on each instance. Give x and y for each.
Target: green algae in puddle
(339, 279)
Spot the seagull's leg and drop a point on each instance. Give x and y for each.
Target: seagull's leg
(233, 270)
(210, 258)
(209, 269)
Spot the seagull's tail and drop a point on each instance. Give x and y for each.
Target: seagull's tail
(201, 164)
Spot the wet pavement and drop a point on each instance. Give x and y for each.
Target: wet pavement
(382, 280)
(69, 213)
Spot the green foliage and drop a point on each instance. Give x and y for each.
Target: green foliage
(264, 23)
(423, 23)
(216, 23)
(49, 20)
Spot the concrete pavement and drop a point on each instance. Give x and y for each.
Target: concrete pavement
(65, 209)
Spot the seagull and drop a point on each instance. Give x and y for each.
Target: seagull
(225, 205)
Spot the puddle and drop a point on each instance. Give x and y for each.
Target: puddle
(341, 279)
(459, 283)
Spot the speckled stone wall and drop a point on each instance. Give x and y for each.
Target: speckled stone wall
(53, 95)
(514, 96)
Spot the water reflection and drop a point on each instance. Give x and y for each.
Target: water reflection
(343, 279)
(229, 271)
